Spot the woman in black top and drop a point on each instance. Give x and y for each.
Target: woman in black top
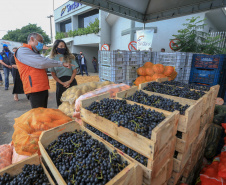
(18, 86)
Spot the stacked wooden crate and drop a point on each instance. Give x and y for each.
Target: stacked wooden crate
(132, 174)
(192, 130)
(159, 149)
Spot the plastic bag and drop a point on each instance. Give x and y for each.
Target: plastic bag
(29, 126)
(6, 152)
(113, 89)
(16, 157)
(67, 108)
(209, 175)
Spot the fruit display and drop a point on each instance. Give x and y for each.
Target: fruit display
(67, 108)
(29, 126)
(190, 86)
(83, 160)
(151, 72)
(140, 158)
(134, 117)
(174, 91)
(73, 93)
(158, 102)
(31, 175)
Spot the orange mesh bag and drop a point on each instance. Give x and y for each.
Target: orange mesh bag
(113, 89)
(29, 126)
(6, 152)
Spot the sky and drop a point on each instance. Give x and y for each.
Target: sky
(18, 13)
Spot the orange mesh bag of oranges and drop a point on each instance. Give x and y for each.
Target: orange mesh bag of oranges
(29, 126)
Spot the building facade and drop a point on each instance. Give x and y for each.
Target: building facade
(118, 32)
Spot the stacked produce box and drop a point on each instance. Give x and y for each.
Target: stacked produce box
(192, 124)
(150, 146)
(209, 70)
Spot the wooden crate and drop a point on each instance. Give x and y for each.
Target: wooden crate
(192, 114)
(154, 167)
(150, 148)
(215, 90)
(16, 168)
(131, 175)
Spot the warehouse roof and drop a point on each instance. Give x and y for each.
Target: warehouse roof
(154, 10)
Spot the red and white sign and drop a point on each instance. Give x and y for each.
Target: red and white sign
(173, 45)
(132, 46)
(105, 47)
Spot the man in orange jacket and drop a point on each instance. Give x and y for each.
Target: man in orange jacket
(31, 66)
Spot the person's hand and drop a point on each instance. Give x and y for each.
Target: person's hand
(66, 84)
(10, 67)
(68, 65)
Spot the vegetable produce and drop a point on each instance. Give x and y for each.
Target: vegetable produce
(6, 152)
(83, 160)
(158, 68)
(128, 116)
(29, 126)
(141, 71)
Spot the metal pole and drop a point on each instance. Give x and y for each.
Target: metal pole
(51, 27)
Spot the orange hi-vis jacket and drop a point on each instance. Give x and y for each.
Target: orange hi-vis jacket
(34, 80)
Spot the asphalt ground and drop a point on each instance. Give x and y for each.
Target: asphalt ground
(11, 109)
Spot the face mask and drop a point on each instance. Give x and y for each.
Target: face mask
(39, 46)
(61, 50)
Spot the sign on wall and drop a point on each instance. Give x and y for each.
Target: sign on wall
(144, 39)
(105, 47)
(69, 7)
(132, 46)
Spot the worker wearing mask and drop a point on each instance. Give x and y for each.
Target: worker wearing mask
(31, 66)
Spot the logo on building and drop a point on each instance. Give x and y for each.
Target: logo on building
(70, 7)
(140, 38)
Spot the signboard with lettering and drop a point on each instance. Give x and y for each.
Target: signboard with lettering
(144, 39)
(69, 7)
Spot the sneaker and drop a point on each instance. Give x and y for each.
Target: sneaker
(6, 88)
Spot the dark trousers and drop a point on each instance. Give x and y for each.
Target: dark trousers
(60, 88)
(6, 73)
(0, 77)
(83, 67)
(38, 99)
(95, 67)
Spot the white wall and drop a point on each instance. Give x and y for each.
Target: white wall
(209, 25)
(105, 29)
(118, 41)
(165, 30)
(89, 53)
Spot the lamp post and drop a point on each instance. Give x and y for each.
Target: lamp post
(51, 27)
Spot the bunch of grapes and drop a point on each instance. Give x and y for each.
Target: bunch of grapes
(190, 86)
(140, 158)
(134, 117)
(31, 175)
(174, 91)
(158, 102)
(83, 160)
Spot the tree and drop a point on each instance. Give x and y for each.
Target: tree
(193, 39)
(20, 35)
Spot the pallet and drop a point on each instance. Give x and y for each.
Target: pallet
(150, 148)
(131, 175)
(153, 168)
(16, 168)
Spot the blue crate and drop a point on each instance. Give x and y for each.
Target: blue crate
(204, 76)
(203, 61)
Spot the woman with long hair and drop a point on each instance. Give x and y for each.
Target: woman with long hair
(64, 77)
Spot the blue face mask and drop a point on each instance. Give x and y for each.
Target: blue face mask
(39, 46)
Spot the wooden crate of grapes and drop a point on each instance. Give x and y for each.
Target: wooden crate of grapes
(153, 171)
(160, 134)
(61, 143)
(17, 168)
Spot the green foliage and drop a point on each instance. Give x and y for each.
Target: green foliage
(92, 28)
(193, 39)
(20, 35)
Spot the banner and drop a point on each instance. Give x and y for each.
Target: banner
(144, 39)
